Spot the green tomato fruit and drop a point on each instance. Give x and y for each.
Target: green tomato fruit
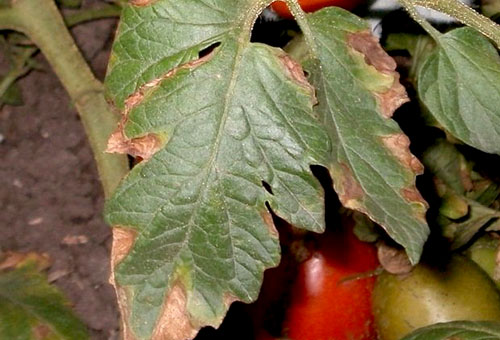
(484, 252)
(427, 296)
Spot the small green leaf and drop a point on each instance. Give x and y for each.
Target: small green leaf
(459, 330)
(358, 90)
(31, 309)
(460, 85)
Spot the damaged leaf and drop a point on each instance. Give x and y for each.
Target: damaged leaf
(234, 130)
(358, 90)
(460, 85)
(30, 308)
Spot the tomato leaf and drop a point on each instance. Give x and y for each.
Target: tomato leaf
(463, 330)
(30, 308)
(226, 127)
(358, 90)
(460, 85)
(215, 132)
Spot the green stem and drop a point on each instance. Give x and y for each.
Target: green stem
(465, 15)
(42, 22)
(84, 15)
(409, 5)
(300, 16)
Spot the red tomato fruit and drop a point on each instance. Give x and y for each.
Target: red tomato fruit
(327, 302)
(313, 5)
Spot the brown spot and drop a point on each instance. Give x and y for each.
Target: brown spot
(412, 195)
(41, 332)
(268, 221)
(295, 71)
(399, 145)
(12, 260)
(368, 45)
(145, 146)
(141, 3)
(391, 100)
(350, 192)
(393, 260)
(173, 323)
(229, 299)
(123, 240)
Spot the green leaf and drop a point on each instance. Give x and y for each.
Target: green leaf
(212, 131)
(31, 309)
(460, 85)
(358, 90)
(463, 330)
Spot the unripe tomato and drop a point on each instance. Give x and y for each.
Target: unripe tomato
(484, 252)
(313, 5)
(327, 301)
(427, 295)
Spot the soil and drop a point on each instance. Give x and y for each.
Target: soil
(50, 195)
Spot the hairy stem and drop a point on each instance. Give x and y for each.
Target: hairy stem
(409, 5)
(462, 13)
(41, 21)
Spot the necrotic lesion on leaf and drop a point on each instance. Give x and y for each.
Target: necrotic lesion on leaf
(390, 98)
(145, 146)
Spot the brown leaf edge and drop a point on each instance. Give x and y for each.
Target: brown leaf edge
(368, 45)
(146, 146)
(173, 322)
(350, 191)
